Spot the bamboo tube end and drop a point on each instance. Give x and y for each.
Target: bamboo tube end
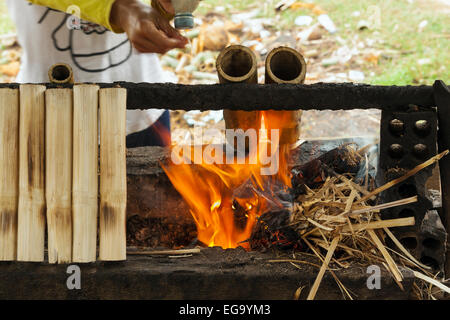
(237, 64)
(60, 73)
(285, 65)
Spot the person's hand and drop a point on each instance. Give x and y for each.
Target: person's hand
(147, 29)
(167, 5)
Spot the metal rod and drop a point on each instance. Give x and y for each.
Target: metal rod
(442, 97)
(248, 97)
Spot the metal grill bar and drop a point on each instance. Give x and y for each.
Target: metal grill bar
(442, 97)
(318, 96)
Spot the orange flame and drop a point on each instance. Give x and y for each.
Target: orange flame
(225, 200)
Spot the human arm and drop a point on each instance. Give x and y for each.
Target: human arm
(145, 26)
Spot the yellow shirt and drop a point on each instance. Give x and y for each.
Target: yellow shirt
(96, 11)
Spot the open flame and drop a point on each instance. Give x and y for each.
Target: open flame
(225, 199)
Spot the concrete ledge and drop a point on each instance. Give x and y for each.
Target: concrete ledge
(212, 274)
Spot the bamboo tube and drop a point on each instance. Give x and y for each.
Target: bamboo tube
(58, 174)
(85, 175)
(9, 172)
(113, 174)
(285, 65)
(237, 64)
(31, 216)
(60, 73)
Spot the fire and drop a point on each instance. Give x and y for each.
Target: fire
(225, 199)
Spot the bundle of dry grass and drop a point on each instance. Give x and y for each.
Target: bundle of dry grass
(337, 219)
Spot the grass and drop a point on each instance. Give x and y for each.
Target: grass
(397, 25)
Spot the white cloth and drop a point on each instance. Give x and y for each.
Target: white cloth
(94, 53)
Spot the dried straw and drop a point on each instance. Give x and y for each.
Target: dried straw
(337, 218)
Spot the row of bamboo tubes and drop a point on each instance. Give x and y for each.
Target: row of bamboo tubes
(49, 173)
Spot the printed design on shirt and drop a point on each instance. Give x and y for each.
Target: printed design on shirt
(89, 28)
(74, 41)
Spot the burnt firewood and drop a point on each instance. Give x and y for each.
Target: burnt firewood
(342, 160)
(244, 200)
(158, 232)
(276, 195)
(251, 198)
(272, 230)
(274, 200)
(240, 215)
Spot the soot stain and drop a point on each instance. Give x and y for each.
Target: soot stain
(32, 165)
(8, 220)
(30, 161)
(109, 215)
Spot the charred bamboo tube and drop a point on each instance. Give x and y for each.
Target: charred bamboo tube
(60, 73)
(31, 216)
(58, 173)
(113, 174)
(237, 64)
(85, 175)
(285, 65)
(9, 172)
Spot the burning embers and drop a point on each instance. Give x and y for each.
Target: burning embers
(228, 190)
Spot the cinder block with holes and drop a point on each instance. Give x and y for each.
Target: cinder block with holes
(413, 186)
(433, 239)
(407, 139)
(426, 241)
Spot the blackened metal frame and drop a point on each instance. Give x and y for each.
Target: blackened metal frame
(320, 96)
